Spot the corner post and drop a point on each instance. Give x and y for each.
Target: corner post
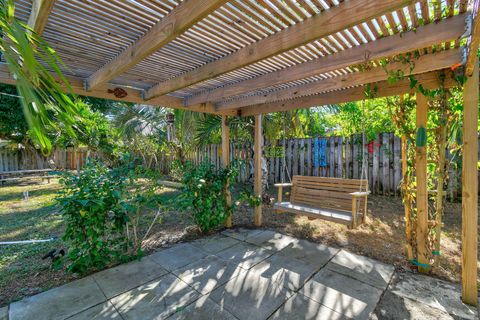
(257, 188)
(422, 192)
(226, 162)
(470, 189)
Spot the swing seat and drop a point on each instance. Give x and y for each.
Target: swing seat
(333, 199)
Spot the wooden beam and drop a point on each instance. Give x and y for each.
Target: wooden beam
(338, 18)
(473, 46)
(226, 162)
(470, 189)
(422, 191)
(429, 80)
(257, 167)
(171, 26)
(425, 36)
(423, 64)
(39, 15)
(108, 91)
(408, 230)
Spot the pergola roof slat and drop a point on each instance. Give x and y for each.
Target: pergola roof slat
(429, 80)
(167, 29)
(425, 64)
(423, 37)
(327, 23)
(39, 15)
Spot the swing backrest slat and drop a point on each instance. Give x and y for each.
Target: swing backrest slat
(324, 192)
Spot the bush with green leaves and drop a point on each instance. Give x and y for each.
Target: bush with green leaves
(102, 209)
(205, 194)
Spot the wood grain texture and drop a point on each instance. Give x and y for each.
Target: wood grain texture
(257, 188)
(422, 37)
(422, 192)
(105, 91)
(171, 26)
(423, 64)
(384, 89)
(338, 18)
(226, 162)
(470, 189)
(39, 15)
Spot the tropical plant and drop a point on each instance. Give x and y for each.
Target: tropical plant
(40, 82)
(103, 208)
(95, 220)
(205, 194)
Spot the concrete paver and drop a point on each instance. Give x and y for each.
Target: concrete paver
(215, 244)
(286, 271)
(178, 256)
(155, 300)
(102, 311)
(245, 255)
(300, 307)
(270, 240)
(343, 294)
(241, 233)
(248, 274)
(125, 277)
(208, 273)
(310, 253)
(250, 296)
(60, 302)
(372, 272)
(203, 309)
(4, 313)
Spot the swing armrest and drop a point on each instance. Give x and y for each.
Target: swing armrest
(281, 185)
(360, 194)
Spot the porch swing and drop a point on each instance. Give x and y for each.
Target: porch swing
(332, 199)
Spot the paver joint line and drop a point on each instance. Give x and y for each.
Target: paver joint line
(301, 286)
(273, 291)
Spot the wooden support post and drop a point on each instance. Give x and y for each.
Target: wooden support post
(470, 189)
(258, 139)
(422, 193)
(408, 231)
(226, 162)
(354, 212)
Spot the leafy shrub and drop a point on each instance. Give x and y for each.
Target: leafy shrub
(91, 205)
(205, 194)
(102, 209)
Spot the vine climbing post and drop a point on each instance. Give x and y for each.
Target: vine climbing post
(226, 162)
(257, 188)
(470, 189)
(408, 225)
(421, 179)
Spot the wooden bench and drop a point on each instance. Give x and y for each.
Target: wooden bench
(20, 175)
(333, 199)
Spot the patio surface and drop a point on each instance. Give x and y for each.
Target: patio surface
(239, 274)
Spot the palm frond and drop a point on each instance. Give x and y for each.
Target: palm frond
(39, 79)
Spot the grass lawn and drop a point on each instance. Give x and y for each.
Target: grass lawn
(22, 270)
(24, 273)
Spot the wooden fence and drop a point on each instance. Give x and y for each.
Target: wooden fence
(343, 159)
(69, 159)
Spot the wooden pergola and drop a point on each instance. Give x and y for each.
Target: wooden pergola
(248, 58)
